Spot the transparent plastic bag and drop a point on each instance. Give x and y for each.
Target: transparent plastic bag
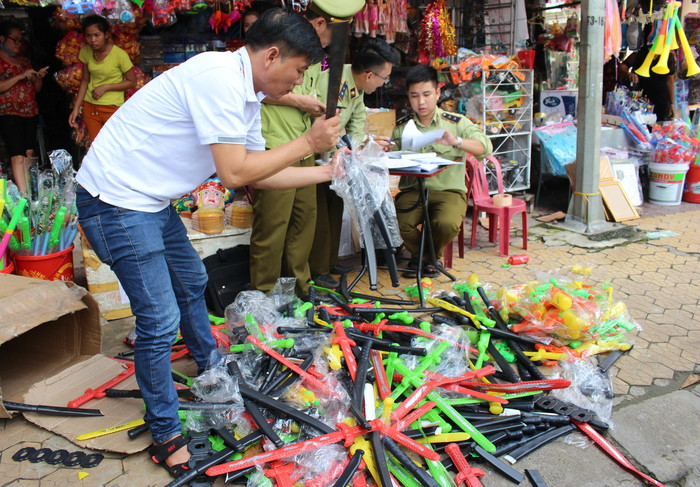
(163, 14)
(216, 385)
(363, 184)
(60, 160)
(219, 416)
(590, 389)
(326, 462)
(256, 311)
(283, 292)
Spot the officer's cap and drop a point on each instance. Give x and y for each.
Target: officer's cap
(337, 10)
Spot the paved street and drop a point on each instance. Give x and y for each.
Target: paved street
(653, 267)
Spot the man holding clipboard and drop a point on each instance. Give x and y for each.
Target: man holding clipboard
(447, 202)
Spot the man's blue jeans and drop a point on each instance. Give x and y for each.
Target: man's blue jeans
(165, 279)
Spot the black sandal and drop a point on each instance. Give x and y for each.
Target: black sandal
(159, 453)
(429, 270)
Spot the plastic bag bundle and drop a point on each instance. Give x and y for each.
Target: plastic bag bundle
(327, 461)
(676, 143)
(255, 311)
(590, 389)
(571, 313)
(363, 184)
(163, 14)
(283, 292)
(559, 143)
(215, 385)
(455, 360)
(218, 388)
(68, 48)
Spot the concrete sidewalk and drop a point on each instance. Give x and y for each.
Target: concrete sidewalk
(656, 421)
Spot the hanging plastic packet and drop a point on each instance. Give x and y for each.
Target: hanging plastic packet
(60, 160)
(122, 12)
(163, 14)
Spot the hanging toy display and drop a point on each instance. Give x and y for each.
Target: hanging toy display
(78, 7)
(64, 21)
(437, 34)
(123, 12)
(223, 17)
(163, 13)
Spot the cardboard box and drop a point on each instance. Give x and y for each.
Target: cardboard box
(46, 327)
(104, 286)
(381, 123)
(50, 342)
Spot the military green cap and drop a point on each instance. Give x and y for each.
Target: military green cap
(337, 10)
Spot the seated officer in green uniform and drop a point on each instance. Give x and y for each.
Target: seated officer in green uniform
(284, 220)
(371, 68)
(447, 201)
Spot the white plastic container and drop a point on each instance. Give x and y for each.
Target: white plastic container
(666, 183)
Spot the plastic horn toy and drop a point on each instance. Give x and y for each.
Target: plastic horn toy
(659, 39)
(661, 66)
(664, 27)
(693, 68)
(16, 215)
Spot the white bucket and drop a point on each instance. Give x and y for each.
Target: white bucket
(666, 183)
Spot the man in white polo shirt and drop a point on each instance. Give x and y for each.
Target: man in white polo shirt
(197, 119)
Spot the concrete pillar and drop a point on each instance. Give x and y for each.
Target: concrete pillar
(585, 214)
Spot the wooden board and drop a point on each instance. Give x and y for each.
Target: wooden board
(605, 168)
(617, 202)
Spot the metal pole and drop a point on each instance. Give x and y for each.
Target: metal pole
(585, 213)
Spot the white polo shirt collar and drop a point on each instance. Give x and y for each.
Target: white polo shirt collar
(247, 71)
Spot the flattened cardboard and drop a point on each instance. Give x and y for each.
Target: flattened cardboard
(559, 215)
(45, 327)
(381, 123)
(50, 342)
(72, 383)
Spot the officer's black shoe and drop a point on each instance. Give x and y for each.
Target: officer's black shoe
(340, 269)
(327, 281)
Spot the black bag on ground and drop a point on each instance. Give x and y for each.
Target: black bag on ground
(229, 274)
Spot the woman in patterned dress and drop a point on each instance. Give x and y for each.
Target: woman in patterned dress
(19, 112)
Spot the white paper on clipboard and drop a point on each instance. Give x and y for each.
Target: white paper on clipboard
(413, 139)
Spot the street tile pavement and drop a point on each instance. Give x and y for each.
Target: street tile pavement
(658, 280)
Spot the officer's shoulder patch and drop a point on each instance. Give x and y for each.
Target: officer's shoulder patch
(451, 117)
(343, 90)
(402, 121)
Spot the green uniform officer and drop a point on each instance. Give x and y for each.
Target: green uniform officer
(371, 68)
(284, 220)
(329, 206)
(447, 201)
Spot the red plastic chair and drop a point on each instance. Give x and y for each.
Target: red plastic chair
(499, 216)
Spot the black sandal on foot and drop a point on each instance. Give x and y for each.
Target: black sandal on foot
(429, 270)
(159, 453)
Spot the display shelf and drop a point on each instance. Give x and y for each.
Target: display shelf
(506, 117)
(486, 25)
